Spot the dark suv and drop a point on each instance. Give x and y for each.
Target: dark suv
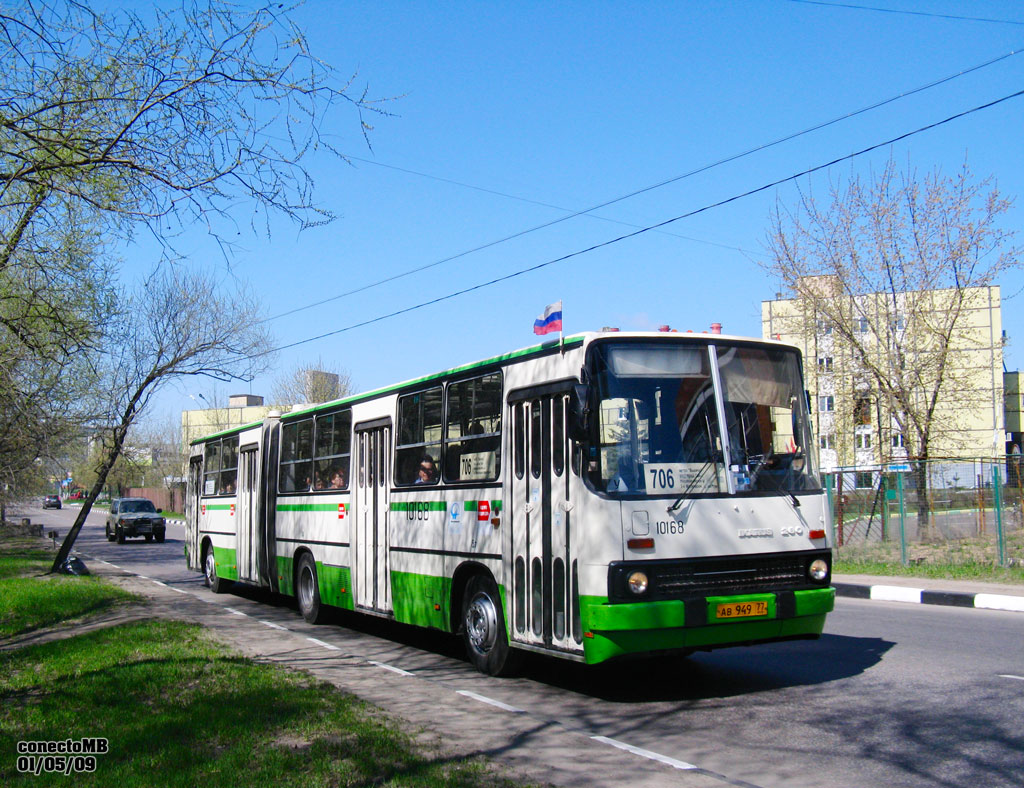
(51, 502)
(135, 517)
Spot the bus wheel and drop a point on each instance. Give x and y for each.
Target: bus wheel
(308, 590)
(483, 628)
(214, 583)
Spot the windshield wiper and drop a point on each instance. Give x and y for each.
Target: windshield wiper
(756, 463)
(689, 488)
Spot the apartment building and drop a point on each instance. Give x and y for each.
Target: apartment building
(942, 349)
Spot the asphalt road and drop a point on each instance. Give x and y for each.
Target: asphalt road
(892, 695)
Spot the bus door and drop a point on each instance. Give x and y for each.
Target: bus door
(246, 515)
(544, 528)
(192, 493)
(372, 486)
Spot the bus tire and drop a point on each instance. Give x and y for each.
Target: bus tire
(216, 584)
(483, 628)
(307, 590)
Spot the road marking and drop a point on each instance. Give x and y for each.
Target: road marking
(646, 753)
(236, 612)
(490, 701)
(177, 589)
(151, 580)
(392, 668)
(144, 577)
(1009, 676)
(325, 645)
(115, 566)
(272, 625)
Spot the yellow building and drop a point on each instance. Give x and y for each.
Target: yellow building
(242, 409)
(942, 349)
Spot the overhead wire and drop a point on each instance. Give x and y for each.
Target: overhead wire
(932, 14)
(649, 228)
(637, 192)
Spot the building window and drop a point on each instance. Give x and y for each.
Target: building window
(898, 441)
(864, 479)
(860, 325)
(824, 327)
(827, 441)
(825, 364)
(862, 440)
(862, 411)
(827, 404)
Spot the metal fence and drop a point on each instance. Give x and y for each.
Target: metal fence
(939, 512)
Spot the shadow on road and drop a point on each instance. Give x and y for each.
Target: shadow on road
(719, 674)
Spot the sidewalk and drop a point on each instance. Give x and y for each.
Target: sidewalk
(932, 591)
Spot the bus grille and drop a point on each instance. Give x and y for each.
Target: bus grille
(699, 577)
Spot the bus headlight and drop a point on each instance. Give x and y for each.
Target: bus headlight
(637, 583)
(818, 570)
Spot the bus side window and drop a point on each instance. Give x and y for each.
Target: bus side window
(296, 456)
(419, 434)
(473, 430)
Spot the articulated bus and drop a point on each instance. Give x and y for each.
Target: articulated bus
(605, 495)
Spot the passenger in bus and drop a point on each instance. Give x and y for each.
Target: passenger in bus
(338, 479)
(624, 479)
(427, 473)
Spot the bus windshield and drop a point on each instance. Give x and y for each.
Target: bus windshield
(659, 420)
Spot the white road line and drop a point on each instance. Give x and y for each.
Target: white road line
(115, 566)
(646, 753)
(236, 612)
(490, 701)
(272, 625)
(177, 589)
(151, 580)
(325, 645)
(1010, 676)
(392, 668)
(144, 577)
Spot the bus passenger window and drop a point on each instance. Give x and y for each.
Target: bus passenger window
(419, 435)
(472, 442)
(296, 456)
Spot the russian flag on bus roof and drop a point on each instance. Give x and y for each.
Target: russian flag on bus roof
(550, 321)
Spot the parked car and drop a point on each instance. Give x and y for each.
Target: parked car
(135, 517)
(51, 502)
(77, 495)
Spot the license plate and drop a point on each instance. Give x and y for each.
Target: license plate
(741, 610)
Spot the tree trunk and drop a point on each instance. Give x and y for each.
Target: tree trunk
(920, 471)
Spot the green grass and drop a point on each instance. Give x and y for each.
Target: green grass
(179, 710)
(31, 599)
(966, 570)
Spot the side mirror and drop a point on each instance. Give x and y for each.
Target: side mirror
(578, 412)
(159, 511)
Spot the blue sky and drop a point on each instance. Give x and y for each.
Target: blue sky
(575, 104)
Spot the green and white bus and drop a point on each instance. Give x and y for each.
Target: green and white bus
(607, 495)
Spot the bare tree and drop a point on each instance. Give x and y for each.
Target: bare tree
(311, 383)
(887, 274)
(162, 119)
(177, 324)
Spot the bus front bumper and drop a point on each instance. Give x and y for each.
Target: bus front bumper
(612, 630)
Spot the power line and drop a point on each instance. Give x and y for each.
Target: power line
(574, 214)
(647, 229)
(909, 13)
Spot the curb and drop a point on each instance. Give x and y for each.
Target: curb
(923, 596)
